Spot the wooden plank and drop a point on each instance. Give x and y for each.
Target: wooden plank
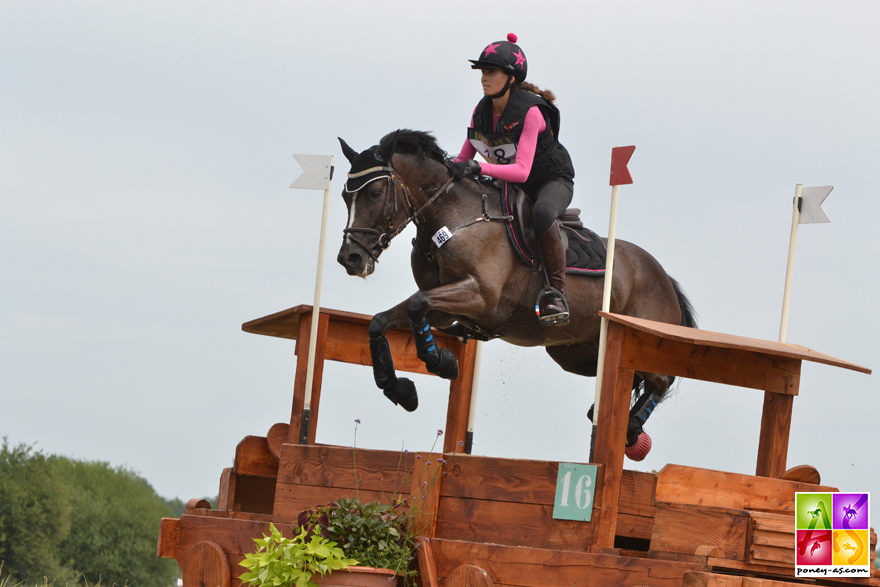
(328, 466)
(692, 485)
(700, 579)
(777, 539)
(696, 336)
(291, 498)
(535, 567)
(634, 526)
(611, 433)
(637, 493)
(427, 566)
(168, 533)
(252, 457)
(226, 495)
(731, 366)
(458, 408)
(254, 494)
(500, 479)
(511, 524)
(232, 536)
(425, 492)
(769, 555)
(684, 528)
(803, 474)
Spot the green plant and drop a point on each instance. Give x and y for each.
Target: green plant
(281, 561)
(374, 533)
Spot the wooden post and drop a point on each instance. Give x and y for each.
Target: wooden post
(460, 398)
(299, 386)
(775, 428)
(611, 433)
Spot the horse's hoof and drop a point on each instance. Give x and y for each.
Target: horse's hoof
(640, 449)
(403, 394)
(447, 366)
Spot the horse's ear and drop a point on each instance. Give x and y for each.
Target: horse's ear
(349, 153)
(387, 150)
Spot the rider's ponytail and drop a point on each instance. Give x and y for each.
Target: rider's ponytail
(530, 87)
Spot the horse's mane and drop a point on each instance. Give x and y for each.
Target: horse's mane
(416, 142)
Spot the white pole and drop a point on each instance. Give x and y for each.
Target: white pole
(472, 412)
(316, 307)
(606, 299)
(789, 270)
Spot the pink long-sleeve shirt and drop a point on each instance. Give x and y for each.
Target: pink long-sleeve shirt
(519, 170)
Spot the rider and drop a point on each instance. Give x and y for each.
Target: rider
(515, 127)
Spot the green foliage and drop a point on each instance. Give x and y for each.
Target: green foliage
(280, 561)
(34, 515)
(115, 518)
(374, 533)
(65, 522)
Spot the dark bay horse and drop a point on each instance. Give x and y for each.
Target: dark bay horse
(474, 283)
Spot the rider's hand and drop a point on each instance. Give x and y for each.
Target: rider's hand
(461, 169)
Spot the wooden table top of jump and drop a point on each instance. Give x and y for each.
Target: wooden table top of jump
(285, 324)
(708, 338)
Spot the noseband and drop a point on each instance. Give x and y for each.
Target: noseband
(383, 239)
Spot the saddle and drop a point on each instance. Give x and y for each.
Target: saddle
(585, 250)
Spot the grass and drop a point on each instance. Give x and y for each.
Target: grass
(9, 581)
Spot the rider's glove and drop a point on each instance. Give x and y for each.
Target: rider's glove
(461, 169)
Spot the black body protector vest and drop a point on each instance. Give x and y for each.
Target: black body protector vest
(552, 160)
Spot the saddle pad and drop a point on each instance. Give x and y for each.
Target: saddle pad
(586, 251)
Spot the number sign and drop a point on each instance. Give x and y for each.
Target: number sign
(575, 486)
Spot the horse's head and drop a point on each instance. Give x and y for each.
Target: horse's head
(374, 213)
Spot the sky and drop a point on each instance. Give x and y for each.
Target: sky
(145, 214)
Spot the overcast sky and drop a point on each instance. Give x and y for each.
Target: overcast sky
(145, 214)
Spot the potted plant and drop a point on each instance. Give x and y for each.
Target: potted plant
(282, 562)
(376, 534)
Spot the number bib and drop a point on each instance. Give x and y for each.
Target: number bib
(500, 149)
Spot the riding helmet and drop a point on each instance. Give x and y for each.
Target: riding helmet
(506, 55)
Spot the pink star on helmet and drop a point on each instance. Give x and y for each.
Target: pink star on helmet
(491, 49)
(520, 58)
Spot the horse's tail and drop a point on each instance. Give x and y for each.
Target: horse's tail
(688, 315)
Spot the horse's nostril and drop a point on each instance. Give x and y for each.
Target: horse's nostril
(353, 260)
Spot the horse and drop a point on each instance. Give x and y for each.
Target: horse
(473, 284)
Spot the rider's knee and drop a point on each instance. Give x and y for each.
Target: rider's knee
(378, 326)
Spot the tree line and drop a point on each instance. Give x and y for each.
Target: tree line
(70, 522)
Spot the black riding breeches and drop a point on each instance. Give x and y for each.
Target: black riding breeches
(550, 201)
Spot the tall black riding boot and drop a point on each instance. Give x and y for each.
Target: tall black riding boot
(553, 308)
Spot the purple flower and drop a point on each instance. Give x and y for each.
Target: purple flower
(428, 463)
(358, 421)
(391, 579)
(439, 432)
(406, 452)
(424, 482)
(461, 443)
(419, 457)
(441, 461)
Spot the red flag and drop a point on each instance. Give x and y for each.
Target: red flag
(619, 158)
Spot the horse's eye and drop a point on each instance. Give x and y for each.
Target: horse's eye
(374, 192)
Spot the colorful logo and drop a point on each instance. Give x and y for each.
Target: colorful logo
(832, 535)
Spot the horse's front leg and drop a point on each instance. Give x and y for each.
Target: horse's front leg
(400, 390)
(461, 298)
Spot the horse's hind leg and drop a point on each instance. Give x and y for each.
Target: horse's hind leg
(654, 388)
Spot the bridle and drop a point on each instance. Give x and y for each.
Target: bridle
(383, 239)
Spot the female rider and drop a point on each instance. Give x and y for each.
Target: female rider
(515, 127)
